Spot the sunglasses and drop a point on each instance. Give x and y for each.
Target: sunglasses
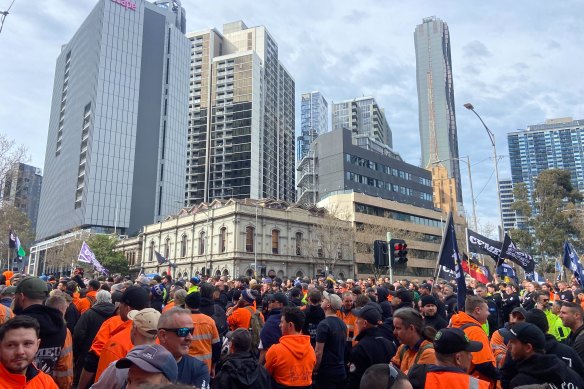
(180, 332)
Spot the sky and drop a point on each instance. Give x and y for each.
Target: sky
(516, 62)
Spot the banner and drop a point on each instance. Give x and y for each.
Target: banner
(535, 276)
(510, 251)
(482, 245)
(160, 258)
(572, 262)
(473, 268)
(506, 271)
(449, 258)
(87, 256)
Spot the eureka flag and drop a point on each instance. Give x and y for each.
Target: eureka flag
(572, 262)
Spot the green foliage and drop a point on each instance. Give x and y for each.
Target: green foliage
(103, 247)
(21, 225)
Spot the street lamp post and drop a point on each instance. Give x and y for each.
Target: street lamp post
(470, 107)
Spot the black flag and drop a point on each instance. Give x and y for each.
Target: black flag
(482, 245)
(510, 251)
(450, 259)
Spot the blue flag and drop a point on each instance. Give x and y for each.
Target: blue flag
(450, 259)
(159, 257)
(572, 262)
(506, 271)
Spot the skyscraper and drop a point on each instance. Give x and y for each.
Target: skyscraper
(313, 121)
(363, 117)
(436, 113)
(555, 144)
(116, 145)
(506, 199)
(22, 189)
(241, 117)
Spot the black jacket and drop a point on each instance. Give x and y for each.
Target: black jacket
(528, 301)
(494, 318)
(371, 349)
(314, 315)
(241, 371)
(544, 368)
(217, 313)
(510, 302)
(72, 317)
(451, 304)
(386, 309)
(53, 334)
(566, 353)
(436, 321)
(86, 329)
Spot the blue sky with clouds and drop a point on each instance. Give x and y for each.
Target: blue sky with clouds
(517, 62)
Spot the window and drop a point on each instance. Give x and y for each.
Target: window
(167, 248)
(151, 251)
(299, 243)
(249, 239)
(202, 243)
(183, 246)
(275, 241)
(222, 238)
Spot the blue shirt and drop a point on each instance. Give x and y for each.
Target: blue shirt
(193, 372)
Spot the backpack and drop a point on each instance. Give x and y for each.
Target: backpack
(418, 354)
(256, 323)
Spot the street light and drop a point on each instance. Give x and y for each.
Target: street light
(470, 107)
(474, 212)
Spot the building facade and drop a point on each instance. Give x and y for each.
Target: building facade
(339, 161)
(555, 144)
(241, 117)
(234, 238)
(313, 121)
(436, 110)
(444, 189)
(116, 148)
(506, 198)
(363, 117)
(374, 217)
(22, 189)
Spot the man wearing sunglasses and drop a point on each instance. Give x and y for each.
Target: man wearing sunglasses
(175, 333)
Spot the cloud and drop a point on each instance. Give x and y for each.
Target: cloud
(476, 50)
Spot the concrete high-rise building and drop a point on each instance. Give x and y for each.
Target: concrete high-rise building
(241, 117)
(436, 113)
(364, 118)
(555, 144)
(22, 189)
(313, 121)
(116, 148)
(506, 198)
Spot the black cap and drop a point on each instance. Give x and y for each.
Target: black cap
(279, 297)
(427, 300)
(528, 333)
(425, 285)
(193, 300)
(136, 297)
(520, 310)
(371, 312)
(454, 340)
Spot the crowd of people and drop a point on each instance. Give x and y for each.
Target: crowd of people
(216, 332)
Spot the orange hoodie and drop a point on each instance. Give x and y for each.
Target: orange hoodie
(475, 332)
(291, 362)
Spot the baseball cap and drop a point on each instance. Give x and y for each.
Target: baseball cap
(520, 310)
(145, 321)
(8, 291)
(152, 358)
(425, 285)
(136, 297)
(32, 287)
(248, 295)
(370, 312)
(454, 340)
(428, 300)
(528, 333)
(334, 299)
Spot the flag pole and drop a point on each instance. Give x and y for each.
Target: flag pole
(437, 270)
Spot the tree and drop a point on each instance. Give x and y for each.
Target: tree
(331, 239)
(103, 247)
(10, 156)
(13, 218)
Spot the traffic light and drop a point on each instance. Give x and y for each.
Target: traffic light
(398, 252)
(380, 253)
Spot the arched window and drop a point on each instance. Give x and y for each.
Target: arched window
(222, 239)
(167, 248)
(183, 246)
(249, 272)
(275, 242)
(226, 273)
(299, 274)
(249, 239)
(217, 273)
(202, 239)
(151, 251)
(299, 243)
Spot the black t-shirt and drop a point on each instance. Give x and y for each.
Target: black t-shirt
(333, 333)
(191, 371)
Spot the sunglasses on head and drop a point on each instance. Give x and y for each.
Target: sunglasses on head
(180, 332)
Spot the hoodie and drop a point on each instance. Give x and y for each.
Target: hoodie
(543, 368)
(53, 333)
(384, 304)
(241, 371)
(483, 361)
(291, 362)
